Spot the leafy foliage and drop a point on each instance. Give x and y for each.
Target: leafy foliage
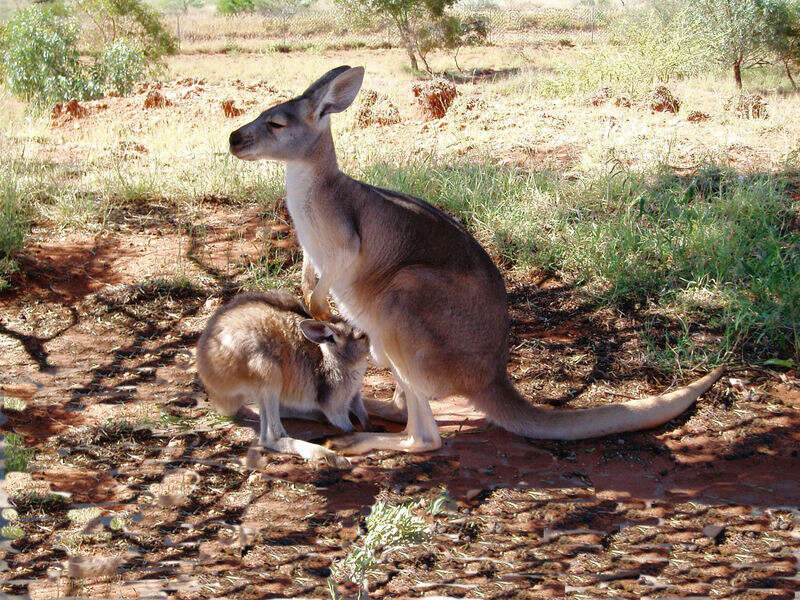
(451, 32)
(41, 59)
(388, 528)
(121, 66)
(661, 41)
(784, 38)
(234, 7)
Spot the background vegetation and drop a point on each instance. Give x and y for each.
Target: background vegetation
(715, 243)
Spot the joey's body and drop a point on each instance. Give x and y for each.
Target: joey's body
(257, 348)
(429, 297)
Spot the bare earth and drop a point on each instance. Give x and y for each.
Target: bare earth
(705, 506)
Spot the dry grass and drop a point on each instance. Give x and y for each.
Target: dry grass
(85, 171)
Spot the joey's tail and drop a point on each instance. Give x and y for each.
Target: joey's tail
(505, 406)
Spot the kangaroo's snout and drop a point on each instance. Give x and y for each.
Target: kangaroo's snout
(238, 141)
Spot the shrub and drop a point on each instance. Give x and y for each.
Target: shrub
(234, 7)
(661, 40)
(121, 66)
(451, 33)
(41, 58)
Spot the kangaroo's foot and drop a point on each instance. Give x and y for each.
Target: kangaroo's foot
(363, 442)
(306, 450)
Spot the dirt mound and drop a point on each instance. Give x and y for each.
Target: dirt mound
(697, 117)
(146, 86)
(434, 97)
(230, 110)
(156, 99)
(190, 82)
(600, 96)
(66, 111)
(662, 100)
(605, 94)
(748, 106)
(375, 108)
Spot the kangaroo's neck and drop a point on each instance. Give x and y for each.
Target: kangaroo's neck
(310, 179)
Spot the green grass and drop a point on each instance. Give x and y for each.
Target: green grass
(716, 247)
(16, 453)
(14, 223)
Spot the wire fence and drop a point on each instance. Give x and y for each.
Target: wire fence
(332, 28)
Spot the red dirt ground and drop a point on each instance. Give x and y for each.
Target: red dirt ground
(704, 506)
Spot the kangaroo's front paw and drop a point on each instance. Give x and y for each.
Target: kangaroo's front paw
(319, 309)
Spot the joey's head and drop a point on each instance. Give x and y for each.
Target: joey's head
(345, 349)
(293, 129)
(342, 342)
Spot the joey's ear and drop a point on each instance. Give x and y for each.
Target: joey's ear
(339, 93)
(316, 331)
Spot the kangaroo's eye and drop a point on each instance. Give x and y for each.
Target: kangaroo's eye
(274, 125)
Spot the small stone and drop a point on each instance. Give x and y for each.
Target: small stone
(473, 493)
(714, 532)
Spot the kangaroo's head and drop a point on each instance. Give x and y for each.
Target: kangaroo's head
(345, 349)
(292, 130)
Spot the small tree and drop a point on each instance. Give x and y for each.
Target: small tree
(111, 20)
(180, 8)
(285, 9)
(451, 33)
(784, 34)
(411, 17)
(737, 31)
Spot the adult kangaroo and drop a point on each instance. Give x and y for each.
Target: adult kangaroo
(423, 289)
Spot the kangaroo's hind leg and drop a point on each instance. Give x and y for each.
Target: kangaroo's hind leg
(273, 436)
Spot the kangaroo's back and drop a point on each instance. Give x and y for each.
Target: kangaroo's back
(255, 342)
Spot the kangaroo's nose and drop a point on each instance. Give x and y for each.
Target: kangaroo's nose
(236, 138)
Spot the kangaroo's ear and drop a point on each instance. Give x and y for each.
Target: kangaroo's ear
(339, 93)
(316, 331)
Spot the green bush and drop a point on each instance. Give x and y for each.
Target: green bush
(42, 62)
(121, 66)
(234, 7)
(40, 57)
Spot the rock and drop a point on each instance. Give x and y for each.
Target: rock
(230, 110)
(375, 108)
(697, 117)
(748, 106)
(714, 532)
(155, 99)
(662, 100)
(434, 97)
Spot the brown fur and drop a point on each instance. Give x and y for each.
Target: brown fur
(430, 298)
(255, 349)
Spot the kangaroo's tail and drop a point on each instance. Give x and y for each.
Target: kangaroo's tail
(505, 406)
